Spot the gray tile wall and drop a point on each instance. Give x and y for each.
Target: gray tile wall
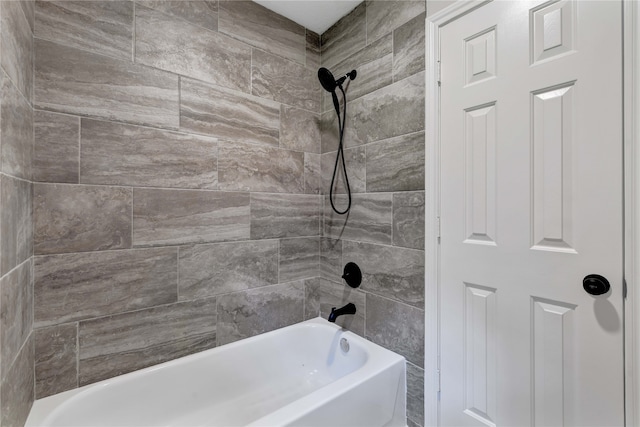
(176, 203)
(384, 232)
(182, 159)
(17, 384)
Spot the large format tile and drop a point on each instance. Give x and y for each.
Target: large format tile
(16, 128)
(56, 147)
(29, 9)
(322, 295)
(73, 81)
(104, 27)
(175, 217)
(383, 16)
(396, 326)
(56, 354)
(392, 272)
(247, 167)
(17, 389)
(16, 227)
(408, 48)
(313, 57)
(396, 164)
(16, 305)
(118, 154)
(369, 218)
(72, 218)
(373, 63)
(72, 287)
(415, 393)
(312, 173)
(284, 215)
(394, 110)
(284, 81)
(177, 46)
(331, 259)
(17, 46)
(299, 258)
(260, 27)
(345, 37)
(248, 313)
(408, 219)
(355, 161)
(299, 130)
(200, 12)
(207, 270)
(229, 115)
(122, 343)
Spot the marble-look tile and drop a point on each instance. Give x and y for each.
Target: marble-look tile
(415, 393)
(122, 343)
(369, 219)
(104, 27)
(72, 287)
(72, 218)
(17, 389)
(177, 46)
(17, 46)
(199, 12)
(299, 258)
(396, 326)
(255, 311)
(329, 134)
(285, 81)
(56, 147)
(355, 160)
(176, 217)
(299, 130)
(411, 423)
(396, 164)
(29, 9)
(331, 259)
(248, 167)
(408, 48)
(228, 115)
(260, 27)
(313, 57)
(322, 295)
(74, 81)
(373, 64)
(16, 127)
(207, 270)
(16, 227)
(118, 154)
(393, 272)
(16, 305)
(394, 110)
(56, 355)
(408, 219)
(384, 16)
(345, 37)
(312, 173)
(284, 215)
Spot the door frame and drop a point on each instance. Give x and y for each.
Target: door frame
(631, 136)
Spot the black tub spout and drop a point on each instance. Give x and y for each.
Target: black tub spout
(347, 309)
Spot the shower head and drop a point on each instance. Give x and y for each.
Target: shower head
(329, 83)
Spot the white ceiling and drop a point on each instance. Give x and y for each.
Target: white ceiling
(316, 15)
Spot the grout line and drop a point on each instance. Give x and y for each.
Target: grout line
(133, 34)
(79, 147)
(77, 354)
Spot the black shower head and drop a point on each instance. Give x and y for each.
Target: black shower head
(329, 83)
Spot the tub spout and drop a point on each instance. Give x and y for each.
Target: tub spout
(347, 309)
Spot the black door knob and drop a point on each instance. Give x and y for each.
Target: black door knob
(595, 284)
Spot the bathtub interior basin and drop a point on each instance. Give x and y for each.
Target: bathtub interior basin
(310, 374)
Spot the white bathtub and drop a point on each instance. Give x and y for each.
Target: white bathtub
(295, 376)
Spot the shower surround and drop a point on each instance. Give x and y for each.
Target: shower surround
(181, 159)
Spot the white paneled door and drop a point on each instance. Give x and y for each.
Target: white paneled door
(531, 204)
